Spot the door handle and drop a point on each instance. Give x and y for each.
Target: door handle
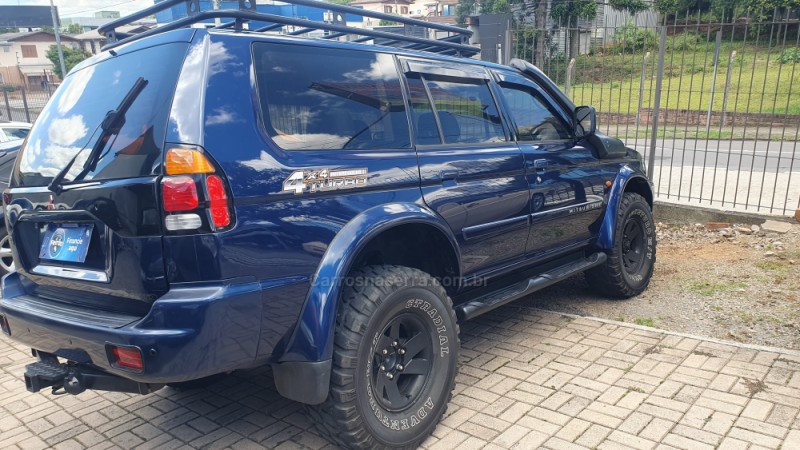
(448, 174)
(540, 165)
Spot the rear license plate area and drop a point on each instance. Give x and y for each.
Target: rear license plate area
(67, 242)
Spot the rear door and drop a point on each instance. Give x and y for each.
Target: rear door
(97, 241)
(472, 174)
(564, 177)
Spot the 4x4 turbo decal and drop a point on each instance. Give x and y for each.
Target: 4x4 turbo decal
(324, 180)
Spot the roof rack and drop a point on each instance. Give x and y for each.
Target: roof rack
(456, 43)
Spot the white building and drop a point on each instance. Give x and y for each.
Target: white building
(23, 57)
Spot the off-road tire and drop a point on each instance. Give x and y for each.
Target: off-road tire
(629, 267)
(387, 307)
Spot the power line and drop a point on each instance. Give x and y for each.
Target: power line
(99, 9)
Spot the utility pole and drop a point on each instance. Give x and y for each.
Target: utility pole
(217, 21)
(58, 40)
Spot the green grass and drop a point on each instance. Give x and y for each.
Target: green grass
(645, 322)
(709, 288)
(759, 82)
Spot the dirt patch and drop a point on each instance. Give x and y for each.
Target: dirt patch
(731, 283)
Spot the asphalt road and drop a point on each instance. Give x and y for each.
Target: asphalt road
(762, 155)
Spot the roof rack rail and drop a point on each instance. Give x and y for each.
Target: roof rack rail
(456, 43)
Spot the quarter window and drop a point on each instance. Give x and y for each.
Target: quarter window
(352, 101)
(534, 119)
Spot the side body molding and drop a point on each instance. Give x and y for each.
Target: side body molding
(605, 239)
(312, 339)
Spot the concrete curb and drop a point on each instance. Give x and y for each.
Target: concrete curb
(761, 348)
(672, 212)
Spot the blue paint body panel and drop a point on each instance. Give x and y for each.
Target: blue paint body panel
(266, 289)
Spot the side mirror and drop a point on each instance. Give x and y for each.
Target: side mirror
(585, 121)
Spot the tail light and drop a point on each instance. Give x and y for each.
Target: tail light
(194, 196)
(180, 194)
(129, 358)
(218, 202)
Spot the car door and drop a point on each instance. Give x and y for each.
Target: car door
(565, 178)
(471, 173)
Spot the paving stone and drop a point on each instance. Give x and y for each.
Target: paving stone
(528, 379)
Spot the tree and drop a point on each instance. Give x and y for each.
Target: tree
(71, 58)
(567, 13)
(73, 29)
(632, 7)
(465, 8)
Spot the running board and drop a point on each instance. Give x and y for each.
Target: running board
(476, 307)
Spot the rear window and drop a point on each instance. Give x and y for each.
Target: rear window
(70, 123)
(316, 98)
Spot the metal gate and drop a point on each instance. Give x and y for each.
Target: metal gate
(714, 104)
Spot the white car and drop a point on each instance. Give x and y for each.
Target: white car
(11, 131)
(11, 137)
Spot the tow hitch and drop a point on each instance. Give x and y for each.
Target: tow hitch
(76, 378)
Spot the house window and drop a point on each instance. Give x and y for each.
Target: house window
(404, 10)
(387, 9)
(29, 51)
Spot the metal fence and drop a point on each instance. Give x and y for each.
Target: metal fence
(23, 104)
(713, 104)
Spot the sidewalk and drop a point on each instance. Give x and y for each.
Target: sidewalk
(529, 379)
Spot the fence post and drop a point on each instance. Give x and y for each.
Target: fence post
(727, 89)
(25, 105)
(641, 89)
(568, 76)
(714, 80)
(662, 46)
(8, 105)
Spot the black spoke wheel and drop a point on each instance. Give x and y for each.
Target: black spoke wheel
(394, 361)
(631, 261)
(633, 245)
(402, 362)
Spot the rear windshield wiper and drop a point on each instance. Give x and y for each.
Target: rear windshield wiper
(111, 125)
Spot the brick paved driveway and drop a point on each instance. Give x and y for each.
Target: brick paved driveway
(528, 379)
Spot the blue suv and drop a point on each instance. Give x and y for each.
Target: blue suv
(194, 201)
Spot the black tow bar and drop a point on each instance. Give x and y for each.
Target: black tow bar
(76, 378)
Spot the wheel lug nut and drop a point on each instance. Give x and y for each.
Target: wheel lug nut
(400, 367)
(389, 376)
(402, 351)
(394, 343)
(385, 352)
(383, 368)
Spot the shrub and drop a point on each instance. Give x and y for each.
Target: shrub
(790, 55)
(683, 42)
(629, 37)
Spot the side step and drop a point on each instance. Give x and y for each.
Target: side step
(492, 300)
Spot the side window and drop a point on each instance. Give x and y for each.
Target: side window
(466, 111)
(426, 131)
(535, 120)
(16, 133)
(316, 98)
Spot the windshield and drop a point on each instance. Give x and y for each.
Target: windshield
(70, 123)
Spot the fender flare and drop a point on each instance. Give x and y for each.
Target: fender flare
(312, 338)
(605, 238)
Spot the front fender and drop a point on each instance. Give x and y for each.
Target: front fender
(312, 339)
(605, 239)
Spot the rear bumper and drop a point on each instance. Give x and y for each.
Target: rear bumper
(190, 332)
